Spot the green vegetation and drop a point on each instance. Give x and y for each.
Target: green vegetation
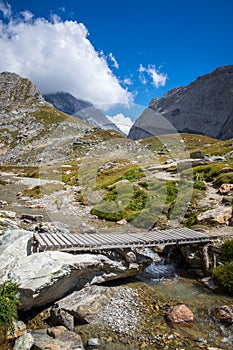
(8, 306)
(224, 272)
(126, 195)
(227, 251)
(39, 191)
(224, 276)
(217, 173)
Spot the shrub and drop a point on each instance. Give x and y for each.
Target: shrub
(227, 251)
(8, 305)
(224, 275)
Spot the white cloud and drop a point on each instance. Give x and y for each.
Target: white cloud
(5, 8)
(158, 79)
(127, 81)
(114, 61)
(122, 122)
(27, 15)
(58, 56)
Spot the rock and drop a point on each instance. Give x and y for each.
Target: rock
(57, 338)
(25, 342)
(203, 107)
(84, 228)
(209, 283)
(112, 307)
(19, 328)
(225, 188)
(224, 314)
(192, 256)
(180, 315)
(93, 342)
(61, 317)
(7, 214)
(197, 155)
(219, 215)
(122, 222)
(31, 217)
(48, 276)
(84, 305)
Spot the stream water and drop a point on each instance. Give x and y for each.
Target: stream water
(159, 288)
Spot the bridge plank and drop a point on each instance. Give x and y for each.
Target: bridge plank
(85, 242)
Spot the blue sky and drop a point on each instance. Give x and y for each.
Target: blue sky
(150, 46)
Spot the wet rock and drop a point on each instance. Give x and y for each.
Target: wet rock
(57, 338)
(180, 315)
(209, 283)
(224, 314)
(192, 256)
(25, 342)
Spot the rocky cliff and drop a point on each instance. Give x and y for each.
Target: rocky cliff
(81, 109)
(203, 107)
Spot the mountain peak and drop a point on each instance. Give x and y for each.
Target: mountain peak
(202, 107)
(17, 92)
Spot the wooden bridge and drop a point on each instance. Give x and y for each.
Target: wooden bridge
(89, 242)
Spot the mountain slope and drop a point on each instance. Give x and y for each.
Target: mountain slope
(81, 109)
(203, 107)
(34, 132)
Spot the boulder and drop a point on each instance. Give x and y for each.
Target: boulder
(115, 308)
(224, 314)
(48, 276)
(57, 338)
(180, 315)
(219, 215)
(84, 305)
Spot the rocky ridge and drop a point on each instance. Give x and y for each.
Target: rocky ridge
(81, 109)
(203, 107)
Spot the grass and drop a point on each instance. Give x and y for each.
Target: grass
(40, 191)
(215, 172)
(139, 202)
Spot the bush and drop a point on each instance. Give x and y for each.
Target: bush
(224, 276)
(227, 251)
(8, 305)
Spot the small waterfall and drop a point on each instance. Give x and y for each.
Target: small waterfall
(160, 268)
